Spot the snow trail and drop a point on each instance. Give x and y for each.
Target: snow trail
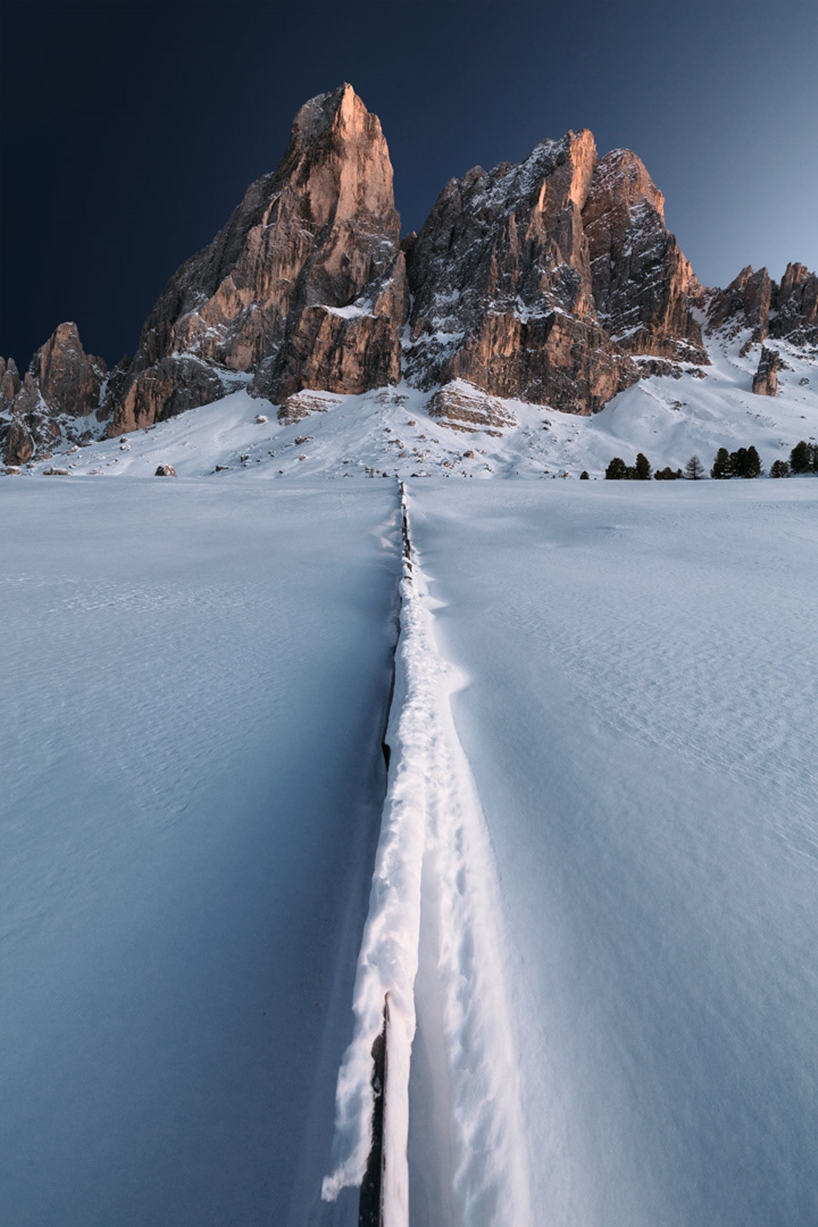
(434, 907)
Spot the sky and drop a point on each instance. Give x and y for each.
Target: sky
(130, 130)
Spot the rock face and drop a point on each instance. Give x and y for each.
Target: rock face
(540, 281)
(642, 284)
(555, 281)
(62, 386)
(788, 310)
(69, 379)
(744, 304)
(795, 315)
(765, 380)
(305, 287)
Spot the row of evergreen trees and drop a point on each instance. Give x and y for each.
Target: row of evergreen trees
(617, 470)
(744, 462)
(803, 458)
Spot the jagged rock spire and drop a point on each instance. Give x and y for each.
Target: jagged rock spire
(304, 287)
(540, 280)
(642, 284)
(62, 385)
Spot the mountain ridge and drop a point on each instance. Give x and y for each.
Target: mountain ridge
(552, 282)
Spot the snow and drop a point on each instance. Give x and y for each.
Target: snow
(589, 892)
(668, 419)
(352, 311)
(195, 690)
(434, 904)
(640, 713)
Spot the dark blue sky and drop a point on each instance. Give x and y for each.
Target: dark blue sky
(130, 130)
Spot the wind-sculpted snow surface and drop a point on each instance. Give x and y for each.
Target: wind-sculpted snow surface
(589, 894)
(192, 780)
(641, 717)
(433, 943)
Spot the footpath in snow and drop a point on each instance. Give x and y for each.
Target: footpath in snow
(432, 946)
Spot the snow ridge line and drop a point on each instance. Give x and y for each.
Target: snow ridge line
(433, 831)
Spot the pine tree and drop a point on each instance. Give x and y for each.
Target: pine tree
(801, 457)
(779, 468)
(722, 465)
(746, 462)
(643, 469)
(754, 467)
(694, 469)
(616, 470)
(584, 475)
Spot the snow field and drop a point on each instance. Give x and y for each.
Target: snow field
(640, 716)
(191, 715)
(432, 943)
(591, 901)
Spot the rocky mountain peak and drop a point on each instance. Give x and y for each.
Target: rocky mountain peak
(304, 287)
(69, 379)
(621, 178)
(642, 284)
(754, 301)
(554, 281)
(338, 154)
(539, 280)
(62, 385)
(745, 302)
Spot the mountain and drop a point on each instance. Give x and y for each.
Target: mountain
(553, 283)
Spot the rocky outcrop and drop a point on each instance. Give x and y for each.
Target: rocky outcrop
(305, 287)
(168, 387)
(303, 404)
(542, 281)
(788, 310)
(643, 286)
(462, 407)
(744, 304)
(61, 388)
(69, 379)
(795, 315)
(765, 380)
(9, 383)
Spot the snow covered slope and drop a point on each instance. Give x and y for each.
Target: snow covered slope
(390, 430)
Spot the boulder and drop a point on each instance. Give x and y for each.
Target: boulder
(460, 406)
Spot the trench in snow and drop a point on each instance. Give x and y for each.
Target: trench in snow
(430, 974)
